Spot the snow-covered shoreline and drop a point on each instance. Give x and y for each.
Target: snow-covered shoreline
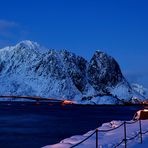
(107, 139)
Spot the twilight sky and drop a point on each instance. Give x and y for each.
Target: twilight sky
(118, 27)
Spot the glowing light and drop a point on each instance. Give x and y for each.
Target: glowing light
(145, 102)
(145, 110)
(65, 102)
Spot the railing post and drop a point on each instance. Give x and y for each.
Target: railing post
(140, 132)
(96, 138)
(125, 140)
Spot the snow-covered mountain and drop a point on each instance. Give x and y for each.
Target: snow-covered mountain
(140, 89)
(26, 70)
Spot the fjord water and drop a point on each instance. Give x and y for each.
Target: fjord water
(26, 124)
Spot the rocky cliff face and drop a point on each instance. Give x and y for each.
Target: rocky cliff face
(104, 71)
(26, 70)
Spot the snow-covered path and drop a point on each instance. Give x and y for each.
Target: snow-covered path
(138, 145)
(111, 138)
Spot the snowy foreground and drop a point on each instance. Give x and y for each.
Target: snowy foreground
(109, 139)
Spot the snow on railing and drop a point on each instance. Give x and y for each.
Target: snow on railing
(124, 140)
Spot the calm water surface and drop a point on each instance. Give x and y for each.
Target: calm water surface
(33, 126)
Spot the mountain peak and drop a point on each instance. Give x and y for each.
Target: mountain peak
(104, 71)
(101, 54)
(28, 44)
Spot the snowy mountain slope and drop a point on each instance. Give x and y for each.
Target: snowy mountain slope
(140, 89)
(26, 70)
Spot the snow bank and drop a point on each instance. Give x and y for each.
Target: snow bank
(107, 139)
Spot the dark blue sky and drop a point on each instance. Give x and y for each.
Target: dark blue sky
(118, 27)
